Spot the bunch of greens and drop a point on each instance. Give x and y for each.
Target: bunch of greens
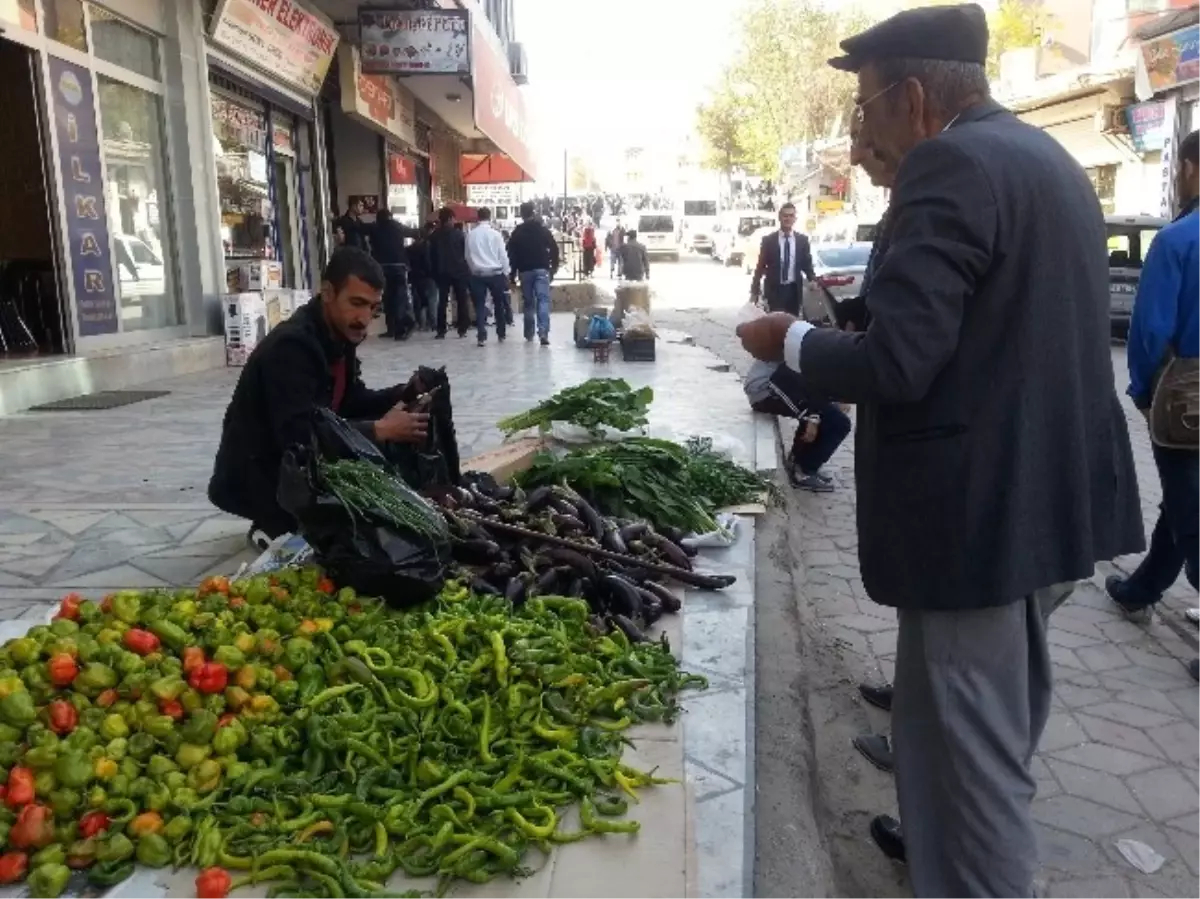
(367, 491)
(595, 404)
(657, 481)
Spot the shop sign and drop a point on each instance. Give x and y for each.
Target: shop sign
(415, 41)
(400, 169)
(1148, 126)
(830, 205)
(281, 136)
(379, 101)
(499, 106)
(279, 36)
(79, 173)
(493, 194)
(1172, 59)
(1167, 163)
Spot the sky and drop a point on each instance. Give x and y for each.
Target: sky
(608, 74)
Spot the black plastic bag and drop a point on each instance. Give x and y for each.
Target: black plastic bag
(362, 551)
(435, 463)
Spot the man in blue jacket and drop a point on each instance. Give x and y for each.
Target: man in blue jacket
(1166, 321)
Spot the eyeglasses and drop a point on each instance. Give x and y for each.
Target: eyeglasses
(859, 110)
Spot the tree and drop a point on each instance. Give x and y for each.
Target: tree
(784, 91)
(720, 123)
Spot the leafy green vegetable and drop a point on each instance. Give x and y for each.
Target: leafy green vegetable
(659, 481)
(371, 493)
(594, 405)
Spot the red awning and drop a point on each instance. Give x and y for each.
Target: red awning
(489, 168)
(464, 213)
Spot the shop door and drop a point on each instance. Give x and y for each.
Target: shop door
(289, 224)
(31, 302)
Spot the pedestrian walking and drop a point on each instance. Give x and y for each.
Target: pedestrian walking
(387, 246)
(782, 258)
(448, 255)
(488, 261)
(533, 256)
(588, 242)
(1164, 342)
(613, 241)
(992, 458)
(421, 282)
(635, 263)
(353, 229)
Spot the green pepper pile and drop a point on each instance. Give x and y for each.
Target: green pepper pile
(313, 738)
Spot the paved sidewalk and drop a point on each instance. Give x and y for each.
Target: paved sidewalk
(1119, 756)
(97, 501)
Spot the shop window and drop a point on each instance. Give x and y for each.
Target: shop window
(136, 193)
(240, 147)
(64, 22)
(1104, 181)
(118, 42)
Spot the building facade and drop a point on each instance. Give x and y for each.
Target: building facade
(163, 154)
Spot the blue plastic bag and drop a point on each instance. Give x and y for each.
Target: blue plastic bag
(601, 329)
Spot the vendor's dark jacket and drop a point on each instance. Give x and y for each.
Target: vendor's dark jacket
(448, 254)
(286, 378)
(992, 456)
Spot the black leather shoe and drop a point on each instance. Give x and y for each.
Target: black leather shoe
(886, 832)
(880, 697)
(876, 749)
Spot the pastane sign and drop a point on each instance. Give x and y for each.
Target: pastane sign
(415, 41)
(279, 36)
(499, 107)
(1148, 125)
(378, 101)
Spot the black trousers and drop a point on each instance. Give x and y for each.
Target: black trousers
(397, 308)
(462, 304)
(789, 400)
(785, 298)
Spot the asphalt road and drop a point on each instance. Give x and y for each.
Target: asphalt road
(694, 282)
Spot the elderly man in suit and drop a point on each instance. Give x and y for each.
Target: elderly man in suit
(992, 459)
(783, 257)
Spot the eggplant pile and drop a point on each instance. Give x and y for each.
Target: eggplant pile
(625, 594)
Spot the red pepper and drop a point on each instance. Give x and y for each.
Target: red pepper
(63, 717)
(211, 677)
(193, 658)
(236, 602)
(13, 866)
(61, 669)
(140, 641)
(34, 828)
(107, 698)
(92, 823)
(214, 585)
(213, 883)
(227, 718)
(69, 607)
(106, 604)
(20, 789)
(325, 585)
(172, 707)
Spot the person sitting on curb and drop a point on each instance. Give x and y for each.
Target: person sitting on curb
(774, 389)
(305, 363)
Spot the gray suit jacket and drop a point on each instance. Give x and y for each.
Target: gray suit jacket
(992, 456)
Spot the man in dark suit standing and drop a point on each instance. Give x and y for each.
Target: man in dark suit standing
(783, 257)
(992, 457)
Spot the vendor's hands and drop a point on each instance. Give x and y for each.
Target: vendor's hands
(763, 337)
(400, 426)
(415, 384)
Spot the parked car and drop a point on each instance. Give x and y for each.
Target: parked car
(753, 245)
(733, 234)
(659, 233)
(839, 268)
(1129, 239)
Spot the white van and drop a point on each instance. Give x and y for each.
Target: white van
(734, 233)
(658, 232)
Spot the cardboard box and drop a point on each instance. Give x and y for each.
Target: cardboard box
(246, 323)
(278, 301)
(260, 275)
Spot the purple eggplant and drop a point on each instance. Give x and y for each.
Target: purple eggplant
(670, 602)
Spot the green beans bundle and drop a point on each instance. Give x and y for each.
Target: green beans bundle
(368, 491)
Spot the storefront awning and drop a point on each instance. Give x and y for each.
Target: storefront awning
(498, 104)
(464, 213)
(489, 168)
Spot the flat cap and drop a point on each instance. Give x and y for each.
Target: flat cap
(954, 33)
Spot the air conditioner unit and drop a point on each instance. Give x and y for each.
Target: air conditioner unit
(1110, 119)
(518, 64)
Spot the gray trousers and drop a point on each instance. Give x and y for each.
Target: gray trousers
(972, 695)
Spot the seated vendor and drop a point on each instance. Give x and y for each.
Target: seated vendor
(305, 363)
(775, 389)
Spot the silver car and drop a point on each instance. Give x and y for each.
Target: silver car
(839, 268)
(1129, 239)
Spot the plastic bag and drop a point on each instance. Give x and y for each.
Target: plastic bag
(638, 323)
(725, 535)
(358, 548)
(601, 329)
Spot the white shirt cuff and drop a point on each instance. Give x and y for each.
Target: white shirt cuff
(792, 342)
